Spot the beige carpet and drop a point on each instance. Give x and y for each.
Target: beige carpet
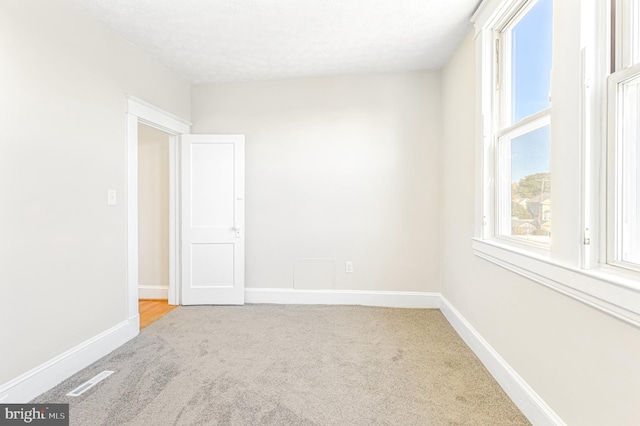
(291, 365)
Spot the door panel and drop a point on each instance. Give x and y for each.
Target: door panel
(212, 265)
(212, 219)
(212, 171)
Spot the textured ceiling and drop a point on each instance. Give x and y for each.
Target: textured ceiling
(242, 40)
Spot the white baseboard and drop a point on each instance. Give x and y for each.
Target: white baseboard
(29, 385)
(525, 398)
(153, 291)
(390, 299)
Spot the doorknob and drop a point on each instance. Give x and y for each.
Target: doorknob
(236, 229)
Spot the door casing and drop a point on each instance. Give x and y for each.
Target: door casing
(139, 111)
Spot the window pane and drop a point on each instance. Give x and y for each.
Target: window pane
(629, 190)
(531, 61)
(531, 185)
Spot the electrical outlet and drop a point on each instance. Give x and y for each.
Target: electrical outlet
(348, 267)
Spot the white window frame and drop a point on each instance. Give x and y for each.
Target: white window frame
(502, 216)
(587, 278)
(627, 53)
(626, 66)
(497, 126)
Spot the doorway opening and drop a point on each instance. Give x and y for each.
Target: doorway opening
(153, 224)
(155, 121)
(152, 310)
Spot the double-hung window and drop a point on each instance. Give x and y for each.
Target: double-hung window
(589, 248)
(623, 162)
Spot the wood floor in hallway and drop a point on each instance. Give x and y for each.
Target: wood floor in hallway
(151, 310)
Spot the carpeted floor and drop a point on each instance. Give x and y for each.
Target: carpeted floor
(291, 365)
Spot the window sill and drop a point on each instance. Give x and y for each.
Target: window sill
(608, 292)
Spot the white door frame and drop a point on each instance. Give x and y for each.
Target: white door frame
(139, 111)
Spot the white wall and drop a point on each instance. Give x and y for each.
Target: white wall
(342, 168)
(63, 81)
(153, 212)
(582, 362)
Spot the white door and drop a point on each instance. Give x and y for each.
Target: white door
(212, 219)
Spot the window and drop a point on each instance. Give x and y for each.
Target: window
(586, 125)
(623, 191)
(523, 137)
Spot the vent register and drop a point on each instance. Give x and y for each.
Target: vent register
(90, 383)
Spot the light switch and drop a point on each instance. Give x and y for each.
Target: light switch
(111, 197)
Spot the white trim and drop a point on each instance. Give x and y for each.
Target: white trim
(525, 398)
(526, 125)
(139, 111)
(615, 295)
(489, 12)
(615, 168)
(157, 117)
(153, 291)
(173, 292)
(390, 299)
(49, 374)
(585, 152)
(132, 215)
(483, 151)
(596, 56)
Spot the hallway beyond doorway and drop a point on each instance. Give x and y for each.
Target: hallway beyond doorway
(151, 310)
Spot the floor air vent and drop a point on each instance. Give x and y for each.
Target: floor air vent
(90, 383)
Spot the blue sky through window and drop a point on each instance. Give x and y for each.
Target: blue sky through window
(531, 153)
(531, 61)
(531, 44)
